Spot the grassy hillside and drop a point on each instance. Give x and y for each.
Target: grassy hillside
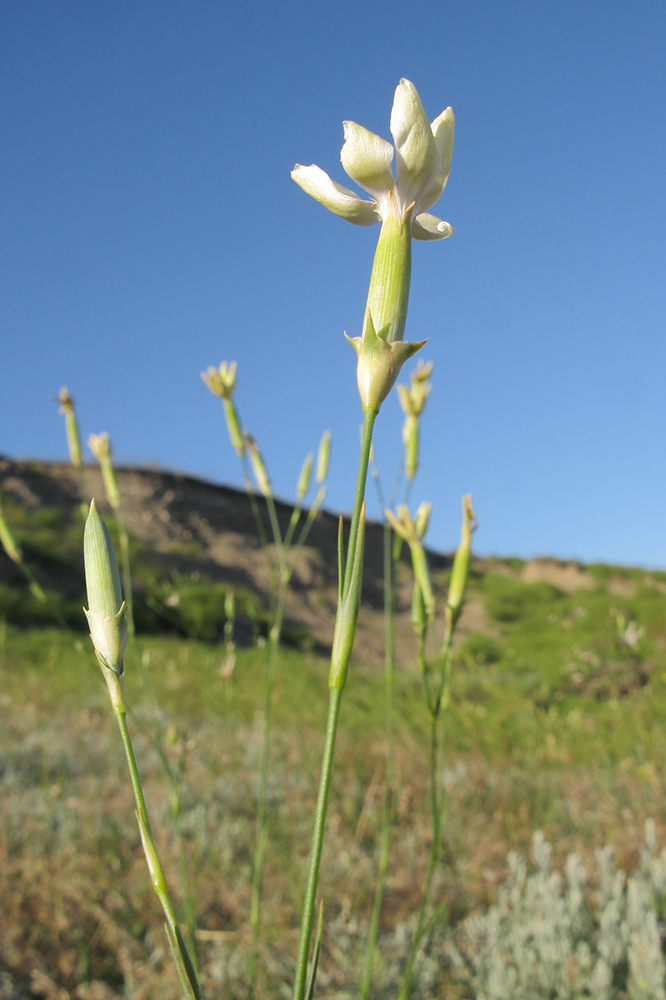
(559, 702)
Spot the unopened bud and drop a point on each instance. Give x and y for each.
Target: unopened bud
(303, 484)
(106, 608)
(412, 400)
(9, 543)
(258, 467)
(410, 437)
(71, 428)
(460, 571)
(323, 457)
(157, 879)
(234, 427)
(422, 518)
(100, 446)
(419, 616)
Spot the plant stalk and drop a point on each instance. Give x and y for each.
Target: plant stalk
(389, 672)
(157, 878)
(335, 697)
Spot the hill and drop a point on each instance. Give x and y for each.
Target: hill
(192, 540)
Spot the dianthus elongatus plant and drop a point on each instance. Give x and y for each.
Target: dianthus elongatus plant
(399, 201)
(107, 619)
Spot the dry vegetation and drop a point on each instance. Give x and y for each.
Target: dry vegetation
(559, 702)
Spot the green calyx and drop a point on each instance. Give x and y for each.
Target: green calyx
(379, 364)
(388, 294)
(461, 563)
(106, 609)
(102, 578)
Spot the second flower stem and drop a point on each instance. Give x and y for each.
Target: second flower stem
(335, 698)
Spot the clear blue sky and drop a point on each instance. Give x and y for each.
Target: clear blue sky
(149, 228)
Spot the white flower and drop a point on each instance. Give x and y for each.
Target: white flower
(422, 162)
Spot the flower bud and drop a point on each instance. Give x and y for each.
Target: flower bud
(412, 400)
(419, 616)
(234, 427)
(100, 446)
(323, 457)
(422, 518)
(71, 428)
(106, 608)
(9, 543)
(258, 467)
(460, 571)
(303, 484)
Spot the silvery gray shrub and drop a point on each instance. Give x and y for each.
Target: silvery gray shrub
(572, 936)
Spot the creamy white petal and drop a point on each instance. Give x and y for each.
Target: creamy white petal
(334, 196)
(416, 154)
(429, 227)
(367, 158)
(443, 129)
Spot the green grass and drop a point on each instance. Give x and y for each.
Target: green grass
(587, 769)
(559, 702)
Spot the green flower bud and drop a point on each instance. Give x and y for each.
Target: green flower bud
(234, 427)
(106, 608)
(412, 400)
(157, 879)
(303, 484)
(419, 616)
(258, 466)
(460, 571)
(9, 543)
(100, 446)
(323, 457)
(71, 428)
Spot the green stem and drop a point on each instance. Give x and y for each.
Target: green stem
(389, 672)
(161, 891)
(432, 861)
(286, 569)
(127, 574)
(335, 697)
(359, 496)
(441, 701)
(260, 842)
(259, 521)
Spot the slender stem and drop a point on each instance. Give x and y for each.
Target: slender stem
(162, 891)
(127, 574)
(432, 861)
(175, 784)
(259, 521)
(121, 718)
(260, 840)
(359, 496)
(389, 672)
(335, 697)
(442, 701)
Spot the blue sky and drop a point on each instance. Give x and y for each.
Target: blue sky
(149, 228)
